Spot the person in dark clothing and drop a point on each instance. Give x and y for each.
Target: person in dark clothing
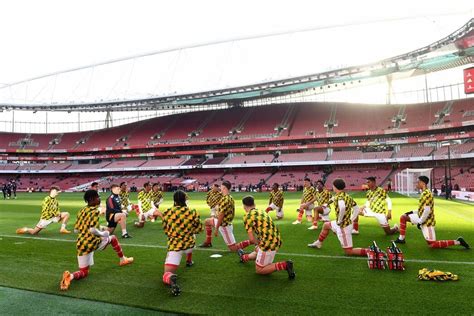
(114, 214)
(9, 190)
(4, 191)
(14, 186)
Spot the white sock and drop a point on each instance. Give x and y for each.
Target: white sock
(63, 226)
(401, 237)
(124, 231)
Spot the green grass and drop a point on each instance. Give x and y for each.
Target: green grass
(326, 280)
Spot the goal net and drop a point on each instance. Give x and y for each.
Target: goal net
(406, 180)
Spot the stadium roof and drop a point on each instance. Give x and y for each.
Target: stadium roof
(215, 72)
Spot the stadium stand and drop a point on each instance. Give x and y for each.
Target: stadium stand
(243, 159)
(356, 178)
(414, 151)
(295, 120)
(163, 162)
(296, 157)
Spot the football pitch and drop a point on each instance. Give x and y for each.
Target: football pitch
(326, 280)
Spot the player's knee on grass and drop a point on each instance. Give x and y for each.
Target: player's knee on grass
(387, 230)
(169, 268)
(34, 231)
(327, 225)
(233, 247)
(260, 270)
(348, 251)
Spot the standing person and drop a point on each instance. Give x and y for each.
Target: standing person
(322, 210)
(90, 239)
(307, 202)
(265, 235)
(50, 213)
(180, 224)
(213, 197)
(449, 191)
(276, 201)
(378, 206)
(223, 222)
(342, 226)
(114, 214)
(14, 187)
(424, 219)
(389, 185)
(9, 190)
(4, 191)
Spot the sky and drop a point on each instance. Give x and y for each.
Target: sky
(41, 37)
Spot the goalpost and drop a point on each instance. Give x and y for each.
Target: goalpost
(405, 180)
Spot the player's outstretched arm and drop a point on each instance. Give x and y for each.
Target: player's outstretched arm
(99, 233)
(426, 213)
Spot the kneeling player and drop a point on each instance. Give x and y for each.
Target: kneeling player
(267, 240)
(157, 199)
(114, 214)
(212, 199)
(90, 239)
(322, 210)
(342, 227)
(49, 214)
(307, 203)
(125, 198)
(223, 222)
(276, 201)
(180, 225)
(146, 207)
(425, 219)
(376, 206)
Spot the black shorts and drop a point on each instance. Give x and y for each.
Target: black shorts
(109, 216)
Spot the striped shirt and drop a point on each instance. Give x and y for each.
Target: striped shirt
(276, 197)
(86, 241)
(377, 199)
(349, 204)
(426, 199)
(145, 199)
(213, 198)
(49, 208)
(309, 194)
(227, 207)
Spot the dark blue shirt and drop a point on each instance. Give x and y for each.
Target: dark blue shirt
(114, 204)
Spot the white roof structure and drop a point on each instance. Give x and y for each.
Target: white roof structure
(225, 63)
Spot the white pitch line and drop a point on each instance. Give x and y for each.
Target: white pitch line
(287, 254)
(461, 216)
